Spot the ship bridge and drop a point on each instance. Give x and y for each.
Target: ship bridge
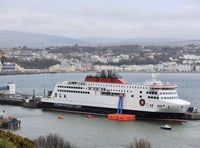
(156, 84)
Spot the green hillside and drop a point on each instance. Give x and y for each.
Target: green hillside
(11, 140)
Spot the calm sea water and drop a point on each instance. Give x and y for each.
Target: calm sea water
(100, 132)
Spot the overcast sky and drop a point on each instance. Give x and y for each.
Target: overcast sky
(103, 18)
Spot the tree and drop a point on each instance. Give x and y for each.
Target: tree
(142, 143)
(52, 141)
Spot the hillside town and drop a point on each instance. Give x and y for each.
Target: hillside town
(122, 58)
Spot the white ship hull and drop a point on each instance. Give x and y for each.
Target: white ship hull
(153, 99)
(112, 102)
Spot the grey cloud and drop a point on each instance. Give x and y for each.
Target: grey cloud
(100, 20)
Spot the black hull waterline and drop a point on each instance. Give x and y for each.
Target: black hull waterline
(105, 111)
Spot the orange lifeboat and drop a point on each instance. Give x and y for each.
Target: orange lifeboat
(112, 116)
(89, 116)
(60, 117)
(121, 117)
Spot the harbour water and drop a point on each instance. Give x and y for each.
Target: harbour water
(99, 132)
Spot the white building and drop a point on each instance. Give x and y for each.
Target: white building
(184, 68)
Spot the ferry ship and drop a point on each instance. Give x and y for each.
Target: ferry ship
(100, 94)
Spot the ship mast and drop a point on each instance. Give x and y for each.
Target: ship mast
(154, 77)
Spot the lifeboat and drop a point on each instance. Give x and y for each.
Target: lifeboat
(112, 116)
(121, 117)
(89, 116)
(60, 117)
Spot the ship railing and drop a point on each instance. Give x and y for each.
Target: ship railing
(163, 86)
(73, 83)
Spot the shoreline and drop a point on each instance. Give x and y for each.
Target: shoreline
(27, 73)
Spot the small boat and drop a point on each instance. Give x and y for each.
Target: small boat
(166, 127)
(89, 116)
(60, 117)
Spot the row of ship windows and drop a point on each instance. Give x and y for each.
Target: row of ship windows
(73, 87)
(121, 86)
(132, 91)
(120, 90)
(163, 106)
(161, 93)
(158, 106)
(150, 92)
(167, 93)
(162, 88)
(153, 97)
(169, 97)
(76, 83)
(72, 91)
(102, 89)
(103, 85)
